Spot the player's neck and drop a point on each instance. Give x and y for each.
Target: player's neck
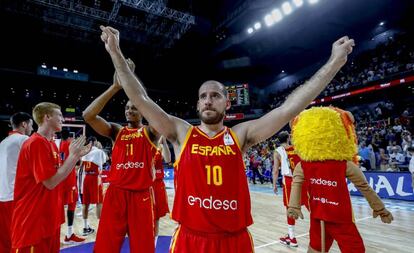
(46, 132)
(211, 129)
(137, 124)
(18, 130)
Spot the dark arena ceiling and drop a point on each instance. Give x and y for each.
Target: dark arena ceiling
(177, 44)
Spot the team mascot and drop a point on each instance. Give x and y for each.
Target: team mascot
(325, 140)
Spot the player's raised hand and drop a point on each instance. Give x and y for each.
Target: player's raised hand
(341, 49)
(110, 36)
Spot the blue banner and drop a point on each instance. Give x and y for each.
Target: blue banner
(392, 185)
(62, 74)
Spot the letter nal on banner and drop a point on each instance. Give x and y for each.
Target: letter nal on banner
(392, 185)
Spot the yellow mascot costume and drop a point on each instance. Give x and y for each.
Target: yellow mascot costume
(325, 140)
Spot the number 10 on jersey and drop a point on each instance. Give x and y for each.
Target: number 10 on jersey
(216, 173)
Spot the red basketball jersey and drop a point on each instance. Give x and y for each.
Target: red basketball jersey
(212, 194)
(90, 168)
(159, 169)
(70, 180)
(294, 159)
(132, 160)
(328, 192)
(38, 211)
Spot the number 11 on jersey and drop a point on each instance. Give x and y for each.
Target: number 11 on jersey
(129, 149)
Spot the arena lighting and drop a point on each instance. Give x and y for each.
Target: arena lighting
(257, 25)
(54, 68)
(75, 71)
(249, 30)
(286, 8)
(382, 23)
(44, 66)
(313, 1)
(298, 3)
(268, 19)
(277, 15)
(65, 69)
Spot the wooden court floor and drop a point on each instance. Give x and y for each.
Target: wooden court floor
(270, 224)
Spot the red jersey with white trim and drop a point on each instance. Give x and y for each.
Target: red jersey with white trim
(294, 159)
(212, 194)
(90, 168)
(70, 180)
(132, 160)
(38, 211)
(159, 169)
(328, 191)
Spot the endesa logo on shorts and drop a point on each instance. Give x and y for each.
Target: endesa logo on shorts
(320, 181)
(211, 203)
(130, 165)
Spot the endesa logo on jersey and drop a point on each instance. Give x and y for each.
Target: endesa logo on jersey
(130, 165)
(320, 181)
(211, 203)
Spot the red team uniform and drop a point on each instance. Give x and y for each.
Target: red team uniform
(128, 204)
(38, 211)
(294, 159)
(92, 189)
(160, 194)
(212, 202)
(329, 201)
(70, 189)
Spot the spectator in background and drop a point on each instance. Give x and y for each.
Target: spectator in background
(364, 152)
(406, 141)
(396, 158)
(384, 159)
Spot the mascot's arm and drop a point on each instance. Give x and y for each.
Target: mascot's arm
(295, 194)
(355, 175)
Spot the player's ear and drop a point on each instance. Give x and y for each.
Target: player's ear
(228, 104)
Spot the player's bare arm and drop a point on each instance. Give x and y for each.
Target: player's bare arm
(255, 131)
(174, 129)
(276, 168)
(166, 154)
(91, 113)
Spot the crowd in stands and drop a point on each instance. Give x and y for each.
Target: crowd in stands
(384, 143)
(387, 61)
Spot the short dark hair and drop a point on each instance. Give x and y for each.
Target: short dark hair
(283, 136)
(91, 139)
(18, 118)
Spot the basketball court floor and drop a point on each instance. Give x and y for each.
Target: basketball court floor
(269, 217)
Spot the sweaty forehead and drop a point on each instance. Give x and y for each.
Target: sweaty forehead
(210, 87)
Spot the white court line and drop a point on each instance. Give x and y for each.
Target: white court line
(302, 235)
